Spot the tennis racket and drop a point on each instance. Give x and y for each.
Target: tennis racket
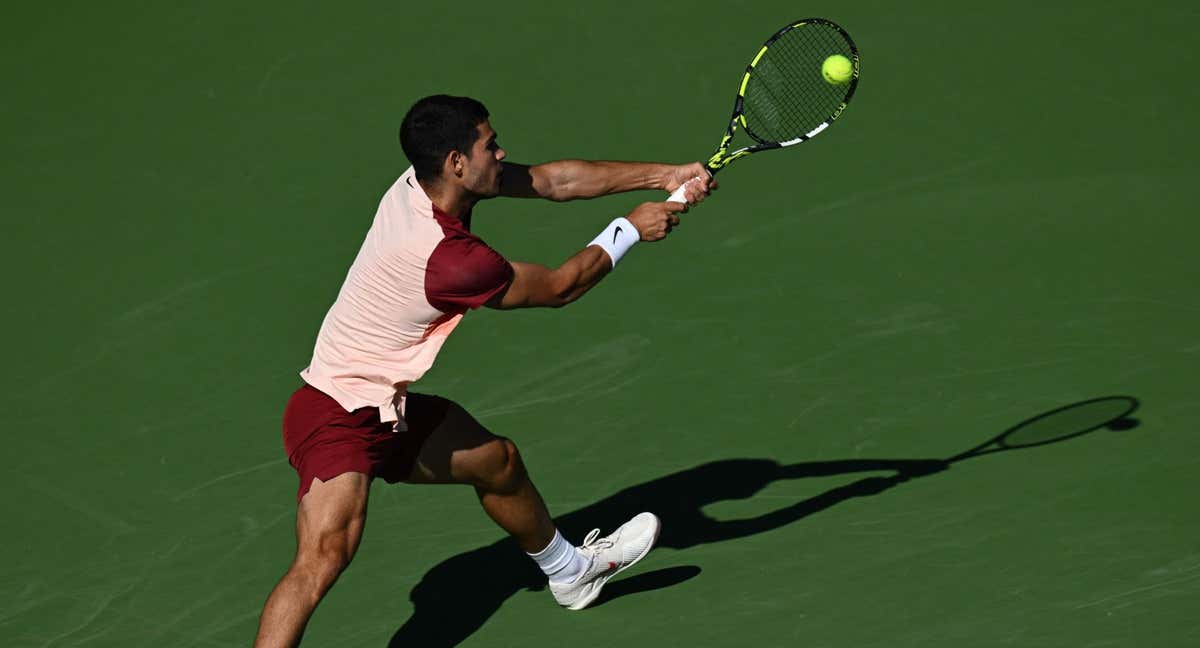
(784, 98)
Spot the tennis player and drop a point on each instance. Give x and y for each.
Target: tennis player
(418, 271)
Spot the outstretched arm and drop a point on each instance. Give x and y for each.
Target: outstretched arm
(574, 179)
(535, 285)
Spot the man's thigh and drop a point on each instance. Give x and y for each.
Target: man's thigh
(332, 514)
(457, 448)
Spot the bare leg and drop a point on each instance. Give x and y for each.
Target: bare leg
(461, 451)
(329, 525)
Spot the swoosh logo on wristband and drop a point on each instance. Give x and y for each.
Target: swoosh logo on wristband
(618, 231)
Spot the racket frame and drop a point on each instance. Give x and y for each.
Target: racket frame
(722, 157)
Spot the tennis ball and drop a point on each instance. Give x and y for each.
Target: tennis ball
(837, 69)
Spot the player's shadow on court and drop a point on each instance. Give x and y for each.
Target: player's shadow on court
(456, 597)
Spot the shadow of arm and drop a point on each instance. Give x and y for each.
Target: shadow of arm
(729, 529)
(906, 467)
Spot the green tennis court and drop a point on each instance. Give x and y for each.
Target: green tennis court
(1002, 224)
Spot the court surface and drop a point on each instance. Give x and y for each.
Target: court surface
(1002, 224)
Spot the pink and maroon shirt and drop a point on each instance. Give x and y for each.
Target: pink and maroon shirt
(418, 271)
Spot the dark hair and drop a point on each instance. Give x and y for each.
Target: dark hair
(436, 125)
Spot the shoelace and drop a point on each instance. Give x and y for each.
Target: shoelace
(593, 543)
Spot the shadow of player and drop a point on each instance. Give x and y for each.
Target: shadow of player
(457, 596)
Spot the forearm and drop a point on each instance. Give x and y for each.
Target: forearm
(535, 285)
(532, 284)
(582, 272)
(575, 179)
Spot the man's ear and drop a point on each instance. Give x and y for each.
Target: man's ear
(456, 162)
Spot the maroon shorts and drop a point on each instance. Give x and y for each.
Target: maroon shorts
(323, 440)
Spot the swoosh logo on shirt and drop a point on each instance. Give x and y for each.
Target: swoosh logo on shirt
(616, 233)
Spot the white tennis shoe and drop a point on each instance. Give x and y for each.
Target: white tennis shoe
(608, 556)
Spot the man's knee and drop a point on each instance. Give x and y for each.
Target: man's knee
(321, 565)
(503, 471)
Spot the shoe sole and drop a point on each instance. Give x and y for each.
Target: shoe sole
(579, 605)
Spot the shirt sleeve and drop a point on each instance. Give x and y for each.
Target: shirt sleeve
(464, 273)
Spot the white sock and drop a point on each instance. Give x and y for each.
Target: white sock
(561, 562)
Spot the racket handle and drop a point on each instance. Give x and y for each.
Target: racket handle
(677, 195)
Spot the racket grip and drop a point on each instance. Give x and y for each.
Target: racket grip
(677, 195)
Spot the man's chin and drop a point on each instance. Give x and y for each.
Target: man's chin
(487, 192)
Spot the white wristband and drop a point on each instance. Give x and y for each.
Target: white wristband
(617, 238)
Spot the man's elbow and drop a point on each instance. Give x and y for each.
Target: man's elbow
(560, 192)
(565, 290)
(550, 181)
(561, 299)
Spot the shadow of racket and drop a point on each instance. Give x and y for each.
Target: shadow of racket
(1067, 422)
(1061, 424)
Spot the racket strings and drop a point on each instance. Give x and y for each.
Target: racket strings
(787, 96)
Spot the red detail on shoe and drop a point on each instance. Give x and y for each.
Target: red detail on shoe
(612, 566)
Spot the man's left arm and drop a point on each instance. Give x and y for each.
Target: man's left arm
(564, 180)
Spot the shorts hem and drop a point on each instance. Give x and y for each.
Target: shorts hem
(329, 472)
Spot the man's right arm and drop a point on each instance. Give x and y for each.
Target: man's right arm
(535, 285)
(564, 180)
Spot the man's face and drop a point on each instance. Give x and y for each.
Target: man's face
(481, 173)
